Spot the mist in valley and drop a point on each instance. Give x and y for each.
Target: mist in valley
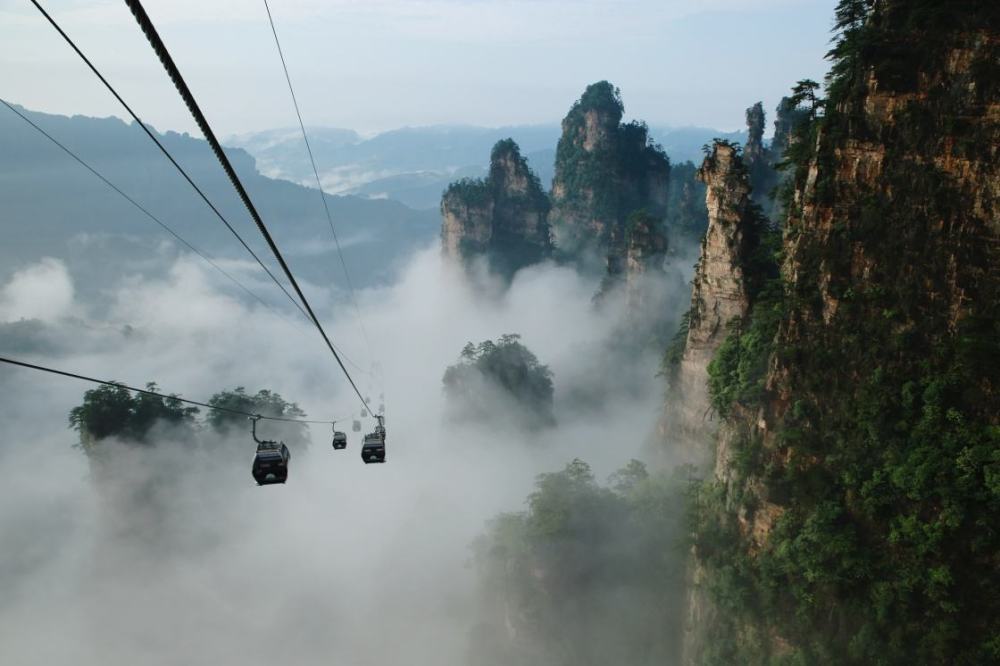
(171, 554)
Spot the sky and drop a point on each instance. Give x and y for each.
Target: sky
(373, 65)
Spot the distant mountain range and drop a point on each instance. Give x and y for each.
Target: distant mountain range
(390, 187)
(52, 206)
(414, 165)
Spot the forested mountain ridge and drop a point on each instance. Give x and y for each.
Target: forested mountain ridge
(851, 514)
(381, 233)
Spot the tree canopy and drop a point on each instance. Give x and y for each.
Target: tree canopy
(500, 380)
(113, 411)
(589, 574)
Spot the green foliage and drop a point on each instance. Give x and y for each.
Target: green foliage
(675, 350)
(113, 411)
(888, 553)
(602, 97)
(517, 214)
(884, 466)
(589, 574)
(265, 403)
(611, 179)
(471, 192)
(738, 369)
(534, 196)
(500, 380)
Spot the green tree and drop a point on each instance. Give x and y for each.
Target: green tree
(588, 574)
(264, 402)
(497, 380)
(112, 411)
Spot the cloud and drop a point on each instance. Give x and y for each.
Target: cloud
(40, 291)
(172, 555)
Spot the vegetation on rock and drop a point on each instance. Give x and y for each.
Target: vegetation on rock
(605, 171)
(859, 526)
(589, 574)
(501, 380)
(503, 217)
(113, 411)
(137, 419)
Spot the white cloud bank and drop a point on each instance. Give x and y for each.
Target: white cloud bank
(347, 563)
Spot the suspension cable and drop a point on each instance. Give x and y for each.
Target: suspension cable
(319, 183)
(206, 405)
(168, 63)
(163, 149)
(158, 221)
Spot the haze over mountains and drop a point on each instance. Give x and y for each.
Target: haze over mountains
(384, 191)
(414, 165)
(74, 216)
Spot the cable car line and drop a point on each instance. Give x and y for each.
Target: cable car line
(227, 410)
(319, 184)
(217, 149)
(168, 63)
(163, 149)
(160, 222)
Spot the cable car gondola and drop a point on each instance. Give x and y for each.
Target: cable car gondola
(373, 445)
(339, 438)
(270, 462)
(356, 426)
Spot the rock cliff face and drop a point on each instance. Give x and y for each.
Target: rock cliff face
(467, 214)
(754, 148)
(787, 117)
(720, 295)
(605, 171)
(645, 247)
(760, 161)
(852, 482)
(503, 218)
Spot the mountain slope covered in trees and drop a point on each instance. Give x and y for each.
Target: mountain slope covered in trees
(851, 515)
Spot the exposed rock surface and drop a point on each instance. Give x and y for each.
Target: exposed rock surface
(760, 161)
(754, 148)
(719, 296)
(888, 321)
(787, 117)
(645, 247)
(502, 217)
(605, 171)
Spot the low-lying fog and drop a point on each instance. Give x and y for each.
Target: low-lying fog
(347, 563)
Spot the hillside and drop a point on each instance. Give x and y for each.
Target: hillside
(377, 235)
(850, 514)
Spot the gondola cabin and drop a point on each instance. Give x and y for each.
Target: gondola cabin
(270, 463)
(356, 426)
(339, 440)
(373, 447)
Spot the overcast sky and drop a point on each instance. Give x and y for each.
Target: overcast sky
(372, 65)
